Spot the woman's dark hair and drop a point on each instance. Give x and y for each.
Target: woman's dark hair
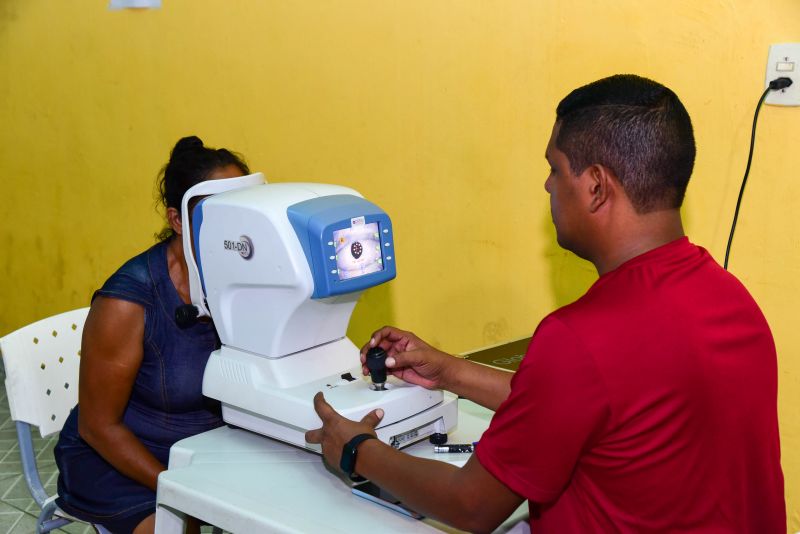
(637, 128)
(189, 164)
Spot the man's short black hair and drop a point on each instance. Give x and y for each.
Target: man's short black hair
(635, 127)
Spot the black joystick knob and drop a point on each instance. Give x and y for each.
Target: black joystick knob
(376, 363)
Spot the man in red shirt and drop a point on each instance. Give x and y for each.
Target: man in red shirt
(650, 403)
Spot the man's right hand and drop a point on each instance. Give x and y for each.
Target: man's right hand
(409, 358)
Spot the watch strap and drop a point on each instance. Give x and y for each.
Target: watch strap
(348, 461)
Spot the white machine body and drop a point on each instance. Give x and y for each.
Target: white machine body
(279, 268)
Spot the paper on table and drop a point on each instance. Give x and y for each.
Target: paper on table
(504, 355)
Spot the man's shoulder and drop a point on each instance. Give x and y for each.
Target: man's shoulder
(671, 299)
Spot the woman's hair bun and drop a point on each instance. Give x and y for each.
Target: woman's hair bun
(190, 163)
(187, 143)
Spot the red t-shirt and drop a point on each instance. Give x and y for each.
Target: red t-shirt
(649, 404)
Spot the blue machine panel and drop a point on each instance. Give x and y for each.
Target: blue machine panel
(348, 243)
(197, 223)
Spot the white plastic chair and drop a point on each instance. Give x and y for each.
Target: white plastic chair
(42, 361)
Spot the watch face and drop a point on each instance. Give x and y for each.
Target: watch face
(347, 464)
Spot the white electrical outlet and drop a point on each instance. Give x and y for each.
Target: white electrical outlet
(784, 61)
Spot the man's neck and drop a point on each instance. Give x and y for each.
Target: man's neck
(637, 235)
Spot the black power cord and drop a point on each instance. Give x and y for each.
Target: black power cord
(775, 85)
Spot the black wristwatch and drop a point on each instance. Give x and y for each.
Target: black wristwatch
(349, 451)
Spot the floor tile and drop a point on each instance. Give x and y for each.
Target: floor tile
(7, 483)
(17, 490)
(11, 454)
(25, 525)
(6, 444)
(8, 468)
(6, 508)
(32, 507)
(47, 469)
(9, 521)
(23, 504)
(8, 433)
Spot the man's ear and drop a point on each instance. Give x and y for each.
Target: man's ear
(602, 185)
(174, 220)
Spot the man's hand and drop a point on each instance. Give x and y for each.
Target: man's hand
(409, 358)
(469, 498)
(337, 430)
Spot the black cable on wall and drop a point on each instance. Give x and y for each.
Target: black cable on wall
(775, 85)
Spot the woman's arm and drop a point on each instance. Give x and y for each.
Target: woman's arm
(111, 354)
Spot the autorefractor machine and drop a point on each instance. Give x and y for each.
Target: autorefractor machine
(279, 268)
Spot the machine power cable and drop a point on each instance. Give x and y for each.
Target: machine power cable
(774, 85)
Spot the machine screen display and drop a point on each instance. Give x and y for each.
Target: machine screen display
(358, 250)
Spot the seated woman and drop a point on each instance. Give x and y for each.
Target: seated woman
(141, 375)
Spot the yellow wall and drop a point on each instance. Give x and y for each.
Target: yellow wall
(437, 110)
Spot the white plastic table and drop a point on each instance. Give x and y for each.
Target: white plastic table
(246, 483)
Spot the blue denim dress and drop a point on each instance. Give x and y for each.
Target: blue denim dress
(166, 403)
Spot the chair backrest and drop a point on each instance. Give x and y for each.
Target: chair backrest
(42, 361)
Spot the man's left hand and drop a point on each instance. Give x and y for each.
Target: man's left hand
(337, 430)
